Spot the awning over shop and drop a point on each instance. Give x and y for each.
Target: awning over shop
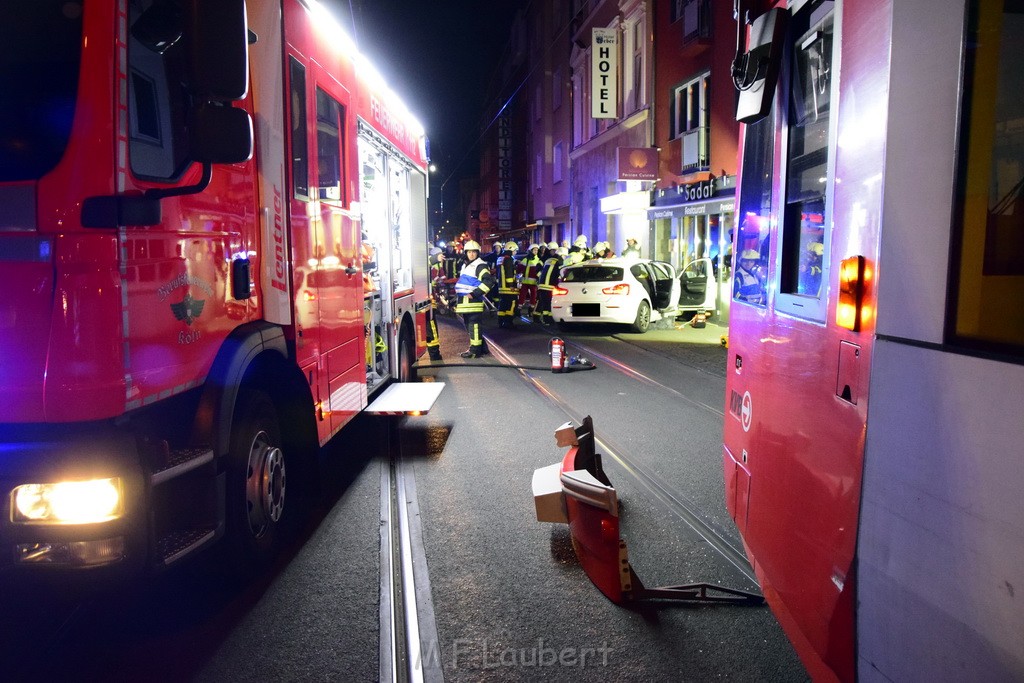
(626, 202)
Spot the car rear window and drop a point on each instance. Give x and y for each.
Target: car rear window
(593, 274)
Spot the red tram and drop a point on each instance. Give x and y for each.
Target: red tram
(873, 447)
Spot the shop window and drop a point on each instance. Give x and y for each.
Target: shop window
(802, 265)
(330, 118)
(987, 284)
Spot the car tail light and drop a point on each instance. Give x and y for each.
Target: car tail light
(621, 288)
(559, 291)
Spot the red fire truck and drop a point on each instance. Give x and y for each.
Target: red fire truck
(213, 237)
(872, 445)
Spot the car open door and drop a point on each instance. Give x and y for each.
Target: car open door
(664, 281)
(697, 286)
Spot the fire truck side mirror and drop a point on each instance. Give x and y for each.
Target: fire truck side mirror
(755, 72)
(218, 49)
(220, 134)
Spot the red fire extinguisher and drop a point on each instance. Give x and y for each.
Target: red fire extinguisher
(557, 351)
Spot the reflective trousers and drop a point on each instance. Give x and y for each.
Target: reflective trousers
(476, 339)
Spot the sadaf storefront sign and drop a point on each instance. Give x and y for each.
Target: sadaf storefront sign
(637, 163)
(604, 73)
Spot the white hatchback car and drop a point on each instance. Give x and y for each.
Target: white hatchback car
(629, 291)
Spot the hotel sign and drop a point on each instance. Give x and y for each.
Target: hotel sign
(604, 73)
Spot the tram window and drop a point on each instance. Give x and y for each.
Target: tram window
(753, 239)
(329, 121)
(300, 157)
(987, 287)
(804, 238)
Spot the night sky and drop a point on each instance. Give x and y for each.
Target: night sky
(438, 56)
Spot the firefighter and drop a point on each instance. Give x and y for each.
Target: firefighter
(547, 280)
(578, 253)
(508, 293)
(632, 249)
(530, 265)
(475, 280)
(436, 280)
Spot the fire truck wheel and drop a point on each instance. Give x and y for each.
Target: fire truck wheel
(406, 357)
(257, 480)
(643, 317)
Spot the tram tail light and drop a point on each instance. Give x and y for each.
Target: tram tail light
(852, 281)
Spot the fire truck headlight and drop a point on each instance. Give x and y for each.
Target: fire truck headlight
(68, 502)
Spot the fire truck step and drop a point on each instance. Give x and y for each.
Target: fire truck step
(180, 542)
(179, 462)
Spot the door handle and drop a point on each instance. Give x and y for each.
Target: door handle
(351, 270)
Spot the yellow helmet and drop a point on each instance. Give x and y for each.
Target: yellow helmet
(511, 246)
(471, 246)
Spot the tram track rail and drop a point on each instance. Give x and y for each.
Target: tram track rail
(675, 501)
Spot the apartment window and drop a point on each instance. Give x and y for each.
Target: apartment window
(633, 82)
(676, 12)
(696, 20)
(557, 160)
(538, 172)
(579, 106)
(557, 83)
(690, 119)
(538, 101)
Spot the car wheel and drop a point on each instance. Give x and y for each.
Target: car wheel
(259, 499)
(643, 317)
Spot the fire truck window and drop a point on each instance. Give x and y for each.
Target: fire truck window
(40, 52)
(300, 164)
(753, 240)
(804, 239)
(987, 295)
(157, 101)
(328, 144)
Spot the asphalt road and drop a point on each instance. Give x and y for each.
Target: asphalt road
(501, 596)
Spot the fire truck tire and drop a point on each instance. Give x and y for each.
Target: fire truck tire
(259, 499)
(406, 357)
(643, 317)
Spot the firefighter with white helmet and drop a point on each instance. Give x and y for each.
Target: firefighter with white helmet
(475, 280)
(747, 283)
(508, 292)
(578, 252)
(529, 268)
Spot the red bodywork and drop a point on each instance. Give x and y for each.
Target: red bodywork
(100, 323)
(793, 444)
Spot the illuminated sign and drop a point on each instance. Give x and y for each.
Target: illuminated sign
(604, 73)
(504, 173)
(637, 163)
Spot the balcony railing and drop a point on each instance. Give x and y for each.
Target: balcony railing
(695, 150)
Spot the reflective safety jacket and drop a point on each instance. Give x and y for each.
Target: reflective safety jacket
(506, 267)
(475, 280)
(531, 265)
(548, 278)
